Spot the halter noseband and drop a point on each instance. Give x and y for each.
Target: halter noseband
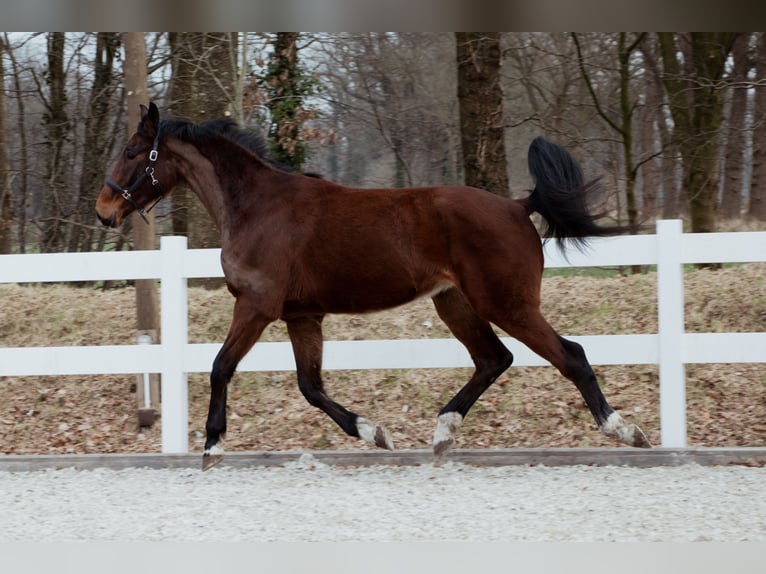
(127, 194)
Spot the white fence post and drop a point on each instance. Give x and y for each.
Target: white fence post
(174, 337)
(670, 309)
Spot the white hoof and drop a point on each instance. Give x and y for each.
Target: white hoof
(374, 434)
(444, 436)
(630, 434)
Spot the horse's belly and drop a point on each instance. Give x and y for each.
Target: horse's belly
(366, 297)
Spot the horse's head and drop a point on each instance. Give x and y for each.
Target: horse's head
(140, 177)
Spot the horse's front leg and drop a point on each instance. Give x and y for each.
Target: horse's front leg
(306, 337)
(248, 322)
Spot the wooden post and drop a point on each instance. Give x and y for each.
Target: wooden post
(147, 384)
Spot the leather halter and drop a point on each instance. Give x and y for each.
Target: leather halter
(127, 194)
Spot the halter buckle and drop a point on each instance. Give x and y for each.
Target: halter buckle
(150, 173)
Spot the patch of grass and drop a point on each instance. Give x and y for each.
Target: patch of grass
(594, 272)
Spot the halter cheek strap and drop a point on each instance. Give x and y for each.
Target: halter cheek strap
(127, 194)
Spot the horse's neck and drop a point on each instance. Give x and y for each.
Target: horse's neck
(199, 173)
(216, 175)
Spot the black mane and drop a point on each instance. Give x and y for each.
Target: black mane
(204, 132)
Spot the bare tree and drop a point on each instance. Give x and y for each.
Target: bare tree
(22, 170)
(546, 95)
(757, 207)
(730, 205)
(286, 87)
(204, 73)
(693, 73)
(481, 111)
(662, 173)
(543, 78)
(99, 138)
(144, 235)
(389, 116)
(620, 121)
(202, 84)
(394, 108)
(6, 215)
(57, 127)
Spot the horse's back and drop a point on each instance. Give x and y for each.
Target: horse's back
(477, 219)
(424, 227)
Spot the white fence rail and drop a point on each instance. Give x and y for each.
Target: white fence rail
(174, 357)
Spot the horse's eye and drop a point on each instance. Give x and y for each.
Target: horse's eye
(130, 154)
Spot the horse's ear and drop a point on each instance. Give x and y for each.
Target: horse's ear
(154, 113)
(150, 119)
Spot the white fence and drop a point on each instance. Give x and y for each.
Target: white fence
(174, 357)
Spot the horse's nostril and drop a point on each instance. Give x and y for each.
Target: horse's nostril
(110, 222)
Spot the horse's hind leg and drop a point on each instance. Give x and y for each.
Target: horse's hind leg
(529, 327)
(306, 337)
(488, 353)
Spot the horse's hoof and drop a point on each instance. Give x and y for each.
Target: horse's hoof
(441, 448)
(211, 456)
(210, 460)
(444, 435)
(630, 434)
(639, 438)
(374, 434)
(383, 438)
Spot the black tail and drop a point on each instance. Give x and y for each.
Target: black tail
(561, 196)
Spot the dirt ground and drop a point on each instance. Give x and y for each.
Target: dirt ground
(526, 407)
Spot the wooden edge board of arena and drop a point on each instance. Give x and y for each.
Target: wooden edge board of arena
(642, 458)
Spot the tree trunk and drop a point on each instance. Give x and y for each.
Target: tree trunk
(57, 127)
(99, 140)
(696, 104)
(6, 214)
(203, 69)
(623, 124)
(624, 55)
(674, 204)
(216, 102)
(757, 207)
(144, 235)
(284, 101)
(23, 162)
(480, 102)
(179, 104)
(651, 142)
(666, 163)
(731, 199)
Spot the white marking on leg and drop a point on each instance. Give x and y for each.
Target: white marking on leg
(616, 427)
(374, 434)
(446, 427)
(365, 429)
(215, 450)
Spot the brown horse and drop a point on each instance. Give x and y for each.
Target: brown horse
(297, 247)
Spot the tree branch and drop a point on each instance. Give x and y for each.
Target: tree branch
(591, 90)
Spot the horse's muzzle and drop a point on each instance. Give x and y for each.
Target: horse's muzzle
(110, 221)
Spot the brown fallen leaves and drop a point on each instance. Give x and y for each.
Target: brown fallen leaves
(527, 407)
